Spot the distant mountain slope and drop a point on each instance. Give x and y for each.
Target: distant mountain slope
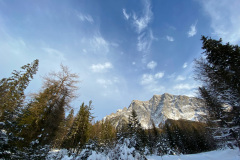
(160, 108)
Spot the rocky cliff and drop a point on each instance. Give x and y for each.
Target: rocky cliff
(160, 108)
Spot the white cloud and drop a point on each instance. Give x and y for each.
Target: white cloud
(145, 41)
(159, 75)
(152, 65)
(101, 67)
(151, 79)
(110, 85)
(83, 18)
(133, 63)
(107, 82)
(224, 17)
(95, 44)
(180, 78)
(84, 50)
(98, 43)
(150, 83)
(142, 22)
(169, 38)
(193, 31)
(127, 16)
(184, 86)
(147, 79)
(185, 65)
(98, 40)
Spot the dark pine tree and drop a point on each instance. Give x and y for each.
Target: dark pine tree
(12, 99)
(79, 133)
(136, 133)
(219, 72)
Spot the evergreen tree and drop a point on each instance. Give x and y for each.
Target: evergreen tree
(219, 71)
(133, 124)
(168, 133)
(102, 136)
(188, 137)
(11, 104)
(122, 131)
(80, 131)
(153, 139)
(62, 136)
(107, 133)
(136, 132)
(12, 91)
(64, 128)
(162, 145)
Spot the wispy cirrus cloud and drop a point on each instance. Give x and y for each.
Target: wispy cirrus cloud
(180, 78)
(184, 86)
(127, 16)
(95, 44)
(193, 30)
(101, 67)
(185, 65)
(159, 75)
(169, 38)
(141, 23)
(145, 36)
(145, 40)
(99, 42)
(152, 65)
(83, 17)
(147, 79)
(55, 54)
(108, 86)
(151, 84)
(224, 16)
(107, 82)
(143, 44)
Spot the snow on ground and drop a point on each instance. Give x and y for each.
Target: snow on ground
(227, 154)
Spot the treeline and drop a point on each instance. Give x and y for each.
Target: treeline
(174, 137)
(189, 137)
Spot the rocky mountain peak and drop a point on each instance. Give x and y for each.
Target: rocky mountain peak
(160, 108)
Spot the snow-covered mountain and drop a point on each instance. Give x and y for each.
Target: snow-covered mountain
(160, 108)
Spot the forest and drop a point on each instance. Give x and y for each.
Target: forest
(32, 126)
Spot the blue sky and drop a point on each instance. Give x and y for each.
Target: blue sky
(122, 50)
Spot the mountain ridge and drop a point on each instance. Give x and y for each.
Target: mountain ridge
(160, 108)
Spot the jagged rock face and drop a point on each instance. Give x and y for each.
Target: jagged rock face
(160, 108)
